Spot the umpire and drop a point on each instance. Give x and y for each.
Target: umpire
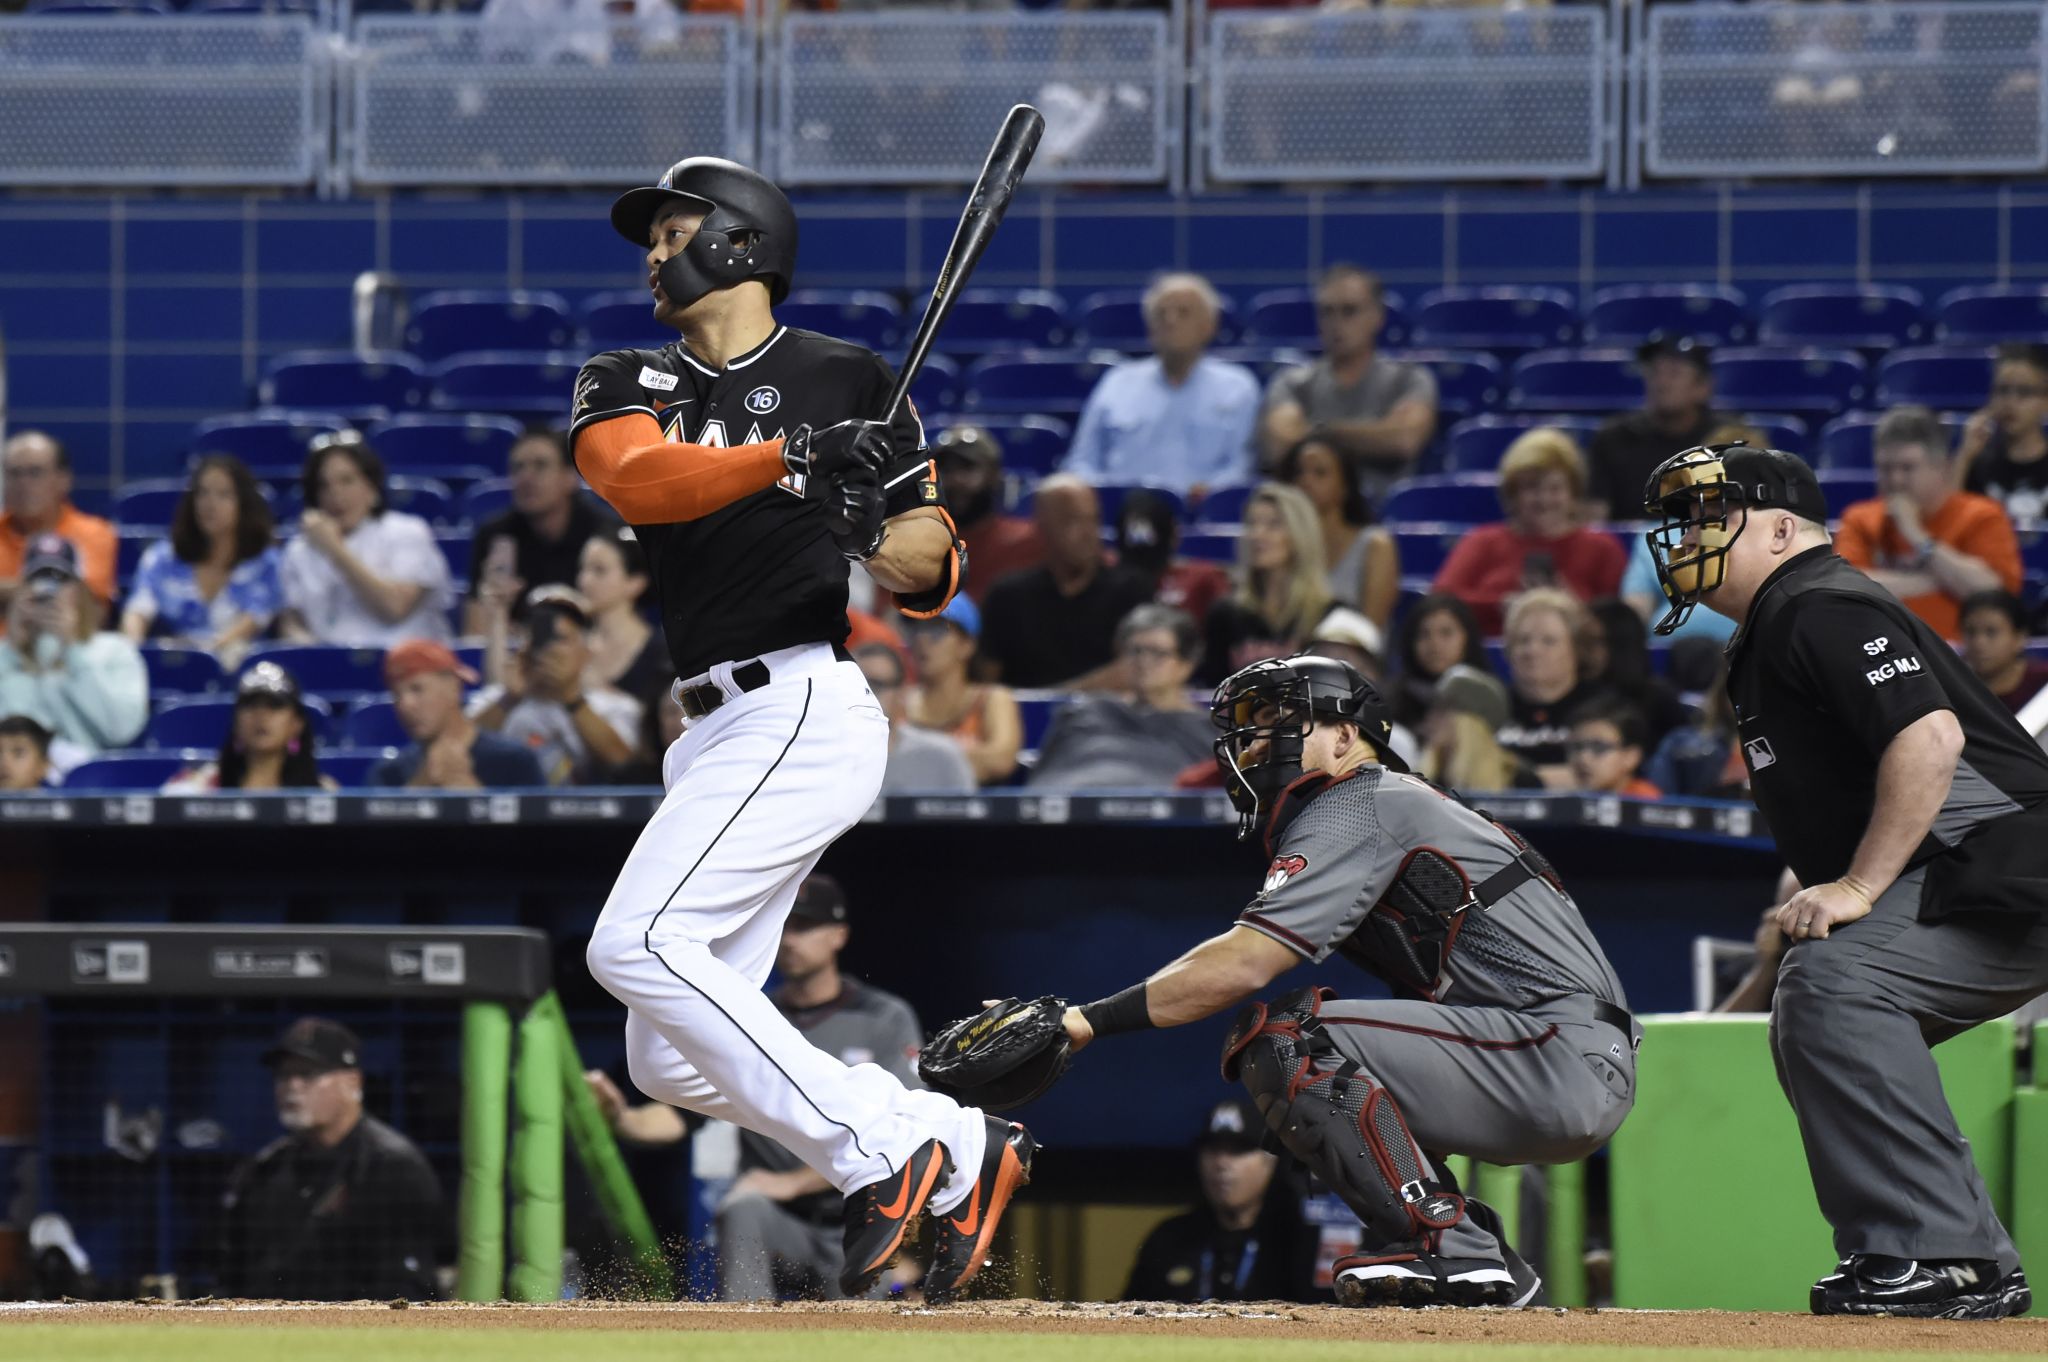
(1915, 809)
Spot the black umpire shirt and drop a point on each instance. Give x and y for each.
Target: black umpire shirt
(762, 573)
(1827, 670)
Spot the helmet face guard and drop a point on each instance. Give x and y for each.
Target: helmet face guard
(1702, 514)
(748, 229)
(718, 255)
(1250, 708)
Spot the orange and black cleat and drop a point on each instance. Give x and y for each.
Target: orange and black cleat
(879, 1214)
(965, 1234)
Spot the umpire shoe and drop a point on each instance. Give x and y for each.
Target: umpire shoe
(879, 1214)
(1873, 1284)
(1419, 1279)
(961, 1246)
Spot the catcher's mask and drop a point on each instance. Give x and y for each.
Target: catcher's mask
(1272, 705)
(1701, 498)
(748, 232)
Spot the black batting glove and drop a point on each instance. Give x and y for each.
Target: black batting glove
(854, 514)
(819, 455)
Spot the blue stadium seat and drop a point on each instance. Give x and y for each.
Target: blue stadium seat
(455, 548)
(1846, 442)
(1467, 381)
(1224, 505)
(1495, 319)
(484, 499)
(1631, 313)
(936, 391)
(1037, 708)
(351, 769)
(1780, 431)
(622, 319)
(1575, 380)
(1111, 496)
(1475, 445)
(133, 770)
(1287, 316)
(323, 668)
(1032, 383)
(1460, 499)
(251, 7)
(150, 502)
(373, 725)
(863, 316)
(1944, 379)
(269, 439)
(507, 382)
(1804, 382)
(1844, 487)
(204, 723)
(1423, 548)
(122, 7)
(1032, 445)
(1993, 316)
(189, 671)
(451, 446)
(129, 548)
(456, 321)
(428, 498)
(1115, 319)
(985, 320)
(1852, 316)
(2033, 553)
(1210, 545)
(367, 385)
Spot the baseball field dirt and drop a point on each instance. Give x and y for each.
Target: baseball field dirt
(987, 1331)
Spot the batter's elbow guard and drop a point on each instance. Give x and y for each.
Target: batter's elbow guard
(925, 605)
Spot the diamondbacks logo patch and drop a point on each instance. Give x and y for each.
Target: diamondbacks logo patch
(1283, 869)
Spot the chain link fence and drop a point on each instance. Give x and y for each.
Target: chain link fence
(1953, 87)
(1406, 95)
(915, 98)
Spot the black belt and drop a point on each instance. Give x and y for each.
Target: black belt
(1616, 1017)
(698, 701)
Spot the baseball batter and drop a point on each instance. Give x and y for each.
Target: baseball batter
(744, 458)
(1511, 1042)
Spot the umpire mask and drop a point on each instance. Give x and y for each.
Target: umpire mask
(748, 231)
(1700, 498)
(1266, 711)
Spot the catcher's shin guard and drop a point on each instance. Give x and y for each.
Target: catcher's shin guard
(1329, 1114)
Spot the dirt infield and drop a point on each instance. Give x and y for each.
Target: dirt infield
(1635, 1330)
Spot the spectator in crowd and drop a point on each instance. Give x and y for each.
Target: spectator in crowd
(215, 581)
(1364, 565)
(447, 751)
(1614, 652)
(1678, 413)
(541, 697)
(1246, 1239)
(35, 478)
(2004, 450)
(1468, 707)
(538, 540)
(1606, 751)
(343, 1207)
(1545, 689)
(1436, 634)
(1541, 544)
(982, 717)
(359, 575)
(1995, 646)
(270, 743)
(920, 761)
(626, 652)
(24, 754)
(88, 688)
(661, 725)
(1283, 590)
(1919, 538)
(1055, 625)
(1379, 413)
(1142, 739)
(1702, 759)
(1148, 540)
(779, 1226)
(1181, 419)
(1754, 993)
(970, 461)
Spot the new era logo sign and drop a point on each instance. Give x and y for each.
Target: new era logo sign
(437, 963)
(1757, 751)
(110, 962)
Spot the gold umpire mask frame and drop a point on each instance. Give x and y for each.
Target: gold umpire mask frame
(1698, 504)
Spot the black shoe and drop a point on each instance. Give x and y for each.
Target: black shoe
(1419, 1279)
(879, 1214)
(1872, 1284)
(962, 1243)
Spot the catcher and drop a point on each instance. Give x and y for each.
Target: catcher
(1510, 1042)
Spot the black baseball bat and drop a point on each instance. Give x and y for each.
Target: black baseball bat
(1007, 160)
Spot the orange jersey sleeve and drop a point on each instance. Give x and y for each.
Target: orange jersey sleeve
(650, 480)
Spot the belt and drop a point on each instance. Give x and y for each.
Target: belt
(700, 700)
(1619, 1019)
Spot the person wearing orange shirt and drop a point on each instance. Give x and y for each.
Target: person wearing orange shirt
(38, 501)
(1926, 543)
(1606, 750)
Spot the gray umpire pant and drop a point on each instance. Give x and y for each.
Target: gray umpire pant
(762, 1246)
(1851, 1024)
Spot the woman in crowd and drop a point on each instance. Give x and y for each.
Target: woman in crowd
(214, 582)
(1364, 566)
(1282, 590)
(360, 575)
(982, 717)
(1545, 686)
(1614, 652)
(625, 650)
(1467, 707)
(270, 744)
(1436, 634)
(87, 687)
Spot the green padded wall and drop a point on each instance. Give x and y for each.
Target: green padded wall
(1712, 1206)
(2029, 1223)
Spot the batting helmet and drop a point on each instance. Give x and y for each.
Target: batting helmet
(1695, 495)
(748, 232)
(1277, 701)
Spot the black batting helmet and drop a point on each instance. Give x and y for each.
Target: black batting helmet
(1277, 701)
(748, 232)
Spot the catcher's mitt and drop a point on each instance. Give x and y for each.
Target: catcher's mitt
(1002, 1058)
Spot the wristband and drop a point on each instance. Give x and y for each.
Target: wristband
(1125, 1011)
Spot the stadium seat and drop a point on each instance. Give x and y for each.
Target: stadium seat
(351, 769)
(1037, 708)
(1224, 505)
(453, 447)
(204, 722)
(1575, 380)
(373, 725)
(1032, 383)
(251, 7)
(1843, 487)
(121, 7)
(1287, 316)
(1262, 362)
(1846, 442)
(1804, 382)
(863, 316)
(188, 671)
(1032, 445)
(1115, 319)
(1424, 548)
(455, 548)
(1460, 499)
(323, 668)
(484, 499)
(1511, 319)
(507, 382)
(428, 498)
(622, 319)
(1467, 381)
(129, 548)
(1993, 316)
(985, 320)
(1631, 314)
(268, 439)
(1475, 445)
(1944, 379)
(1111, 496)
(1210, 545)
(367, 386)
(1851, 316)
(133, 770)
(936, 391)
(148, 503)
(456, 321)
(1780, 431)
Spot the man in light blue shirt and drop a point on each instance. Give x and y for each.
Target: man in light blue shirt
(1180, 419)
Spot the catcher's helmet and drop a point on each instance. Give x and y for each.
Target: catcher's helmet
(748, 232)
(1276, 702)
(1695, 494)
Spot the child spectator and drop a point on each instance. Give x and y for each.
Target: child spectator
(1995, 646)
(1606, 750)
(215, 581)
(24, 754)
(270, 743)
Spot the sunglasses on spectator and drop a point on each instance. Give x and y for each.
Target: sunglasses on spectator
(1592, 747)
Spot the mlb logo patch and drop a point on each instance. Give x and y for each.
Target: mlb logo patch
(1757, 752)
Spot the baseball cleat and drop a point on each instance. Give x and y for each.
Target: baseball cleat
(1418, 1279)
(1873, 1284)
(878, 1215)
(964, 1236)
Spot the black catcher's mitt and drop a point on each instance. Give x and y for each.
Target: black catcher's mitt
(1001, 1059)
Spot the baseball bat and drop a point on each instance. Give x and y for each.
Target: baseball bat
(1007, 160)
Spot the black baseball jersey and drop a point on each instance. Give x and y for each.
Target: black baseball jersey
(1828, 669)
(762, 573)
